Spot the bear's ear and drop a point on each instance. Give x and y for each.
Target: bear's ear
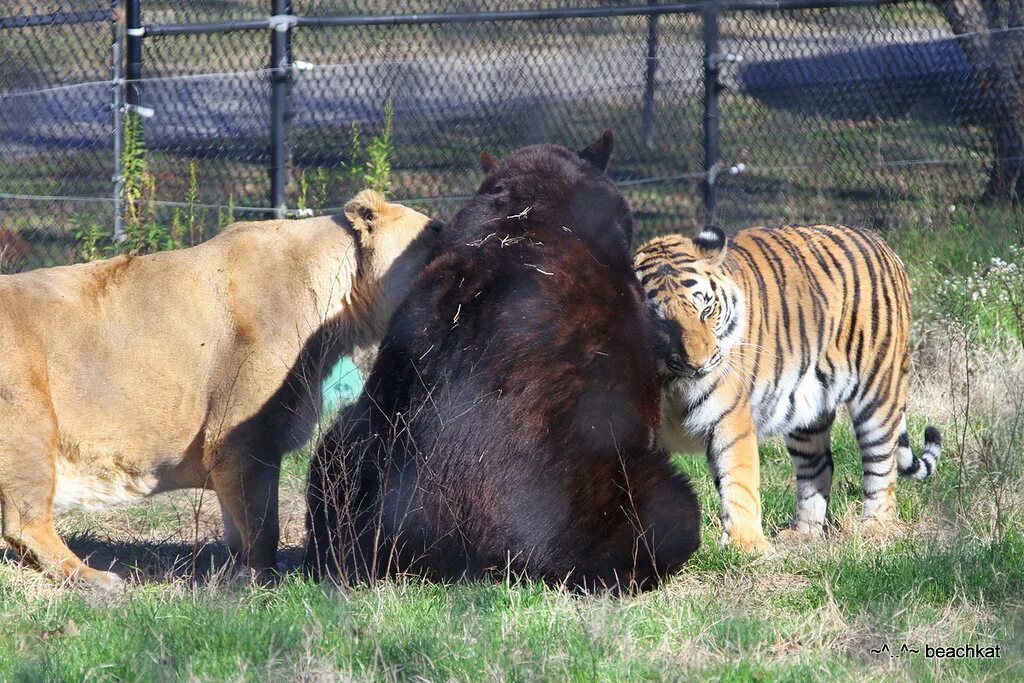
(488, 162)
(600, 151)
(711, 244)
(363, 210)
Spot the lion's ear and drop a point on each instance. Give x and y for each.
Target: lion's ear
(600, 151)
(488, 162)
(711, 244)
(363, 209)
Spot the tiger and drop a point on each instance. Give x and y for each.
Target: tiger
(766, 333)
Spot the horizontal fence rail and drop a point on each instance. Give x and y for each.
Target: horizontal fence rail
(56, 19)
(272, 22)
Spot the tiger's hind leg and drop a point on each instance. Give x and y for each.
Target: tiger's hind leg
(877, 426)
(810, 448)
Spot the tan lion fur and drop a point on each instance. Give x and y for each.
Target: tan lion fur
(191, 368)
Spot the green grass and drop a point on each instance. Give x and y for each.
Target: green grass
(952, 575)
(803, 612)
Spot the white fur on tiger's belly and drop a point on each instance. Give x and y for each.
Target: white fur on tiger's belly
(811, 400)
(771, 409)
(78, 487)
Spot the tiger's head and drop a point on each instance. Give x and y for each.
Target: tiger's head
(697, 307)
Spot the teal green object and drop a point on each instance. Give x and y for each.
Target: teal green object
(342, 385)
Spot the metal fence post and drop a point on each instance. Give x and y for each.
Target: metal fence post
(117, 113)
(649, 81)
(710, 16)
(280, 84)
(133, 64)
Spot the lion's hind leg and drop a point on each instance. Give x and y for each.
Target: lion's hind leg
(234, 539)
(28, 477)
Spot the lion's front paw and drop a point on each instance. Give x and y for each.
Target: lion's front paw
(94, 579)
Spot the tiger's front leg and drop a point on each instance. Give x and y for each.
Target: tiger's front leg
(735, 465)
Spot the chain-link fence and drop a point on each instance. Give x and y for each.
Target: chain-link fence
(853, 111)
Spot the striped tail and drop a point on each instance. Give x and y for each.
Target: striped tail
(922, 467)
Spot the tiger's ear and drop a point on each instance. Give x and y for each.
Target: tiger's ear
(488, 162)
(711, 245)
(600, 151)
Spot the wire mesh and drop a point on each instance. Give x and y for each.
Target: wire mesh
(55, 130)
(457, 90)
(847, 114)
(210, 96)
(859, 115)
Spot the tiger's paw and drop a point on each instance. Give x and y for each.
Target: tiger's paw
(747, 541)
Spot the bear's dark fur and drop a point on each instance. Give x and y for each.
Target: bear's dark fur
(509, 423)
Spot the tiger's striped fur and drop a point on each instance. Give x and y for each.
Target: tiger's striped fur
(767, 333)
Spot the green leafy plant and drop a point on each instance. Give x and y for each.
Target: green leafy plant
(361, 167)
(143, 233)
(226, 216)
(176, 235)
(137, 182)
(194, 228)
(89, 238)
(352, 167)
(379, 153)
(323, 180)
(302, 201)
(133, 168)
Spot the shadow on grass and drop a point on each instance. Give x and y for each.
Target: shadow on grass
(160, 561)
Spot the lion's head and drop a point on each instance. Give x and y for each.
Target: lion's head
(394, 244)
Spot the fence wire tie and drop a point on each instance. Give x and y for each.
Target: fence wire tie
(714, 61)
(717, 169)
(144, 112)
(712, 174)
(282, 22)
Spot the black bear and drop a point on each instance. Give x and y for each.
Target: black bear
(508, 425)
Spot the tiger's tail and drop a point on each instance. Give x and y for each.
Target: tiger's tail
(912, 466)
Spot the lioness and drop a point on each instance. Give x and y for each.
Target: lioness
(192, 368)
